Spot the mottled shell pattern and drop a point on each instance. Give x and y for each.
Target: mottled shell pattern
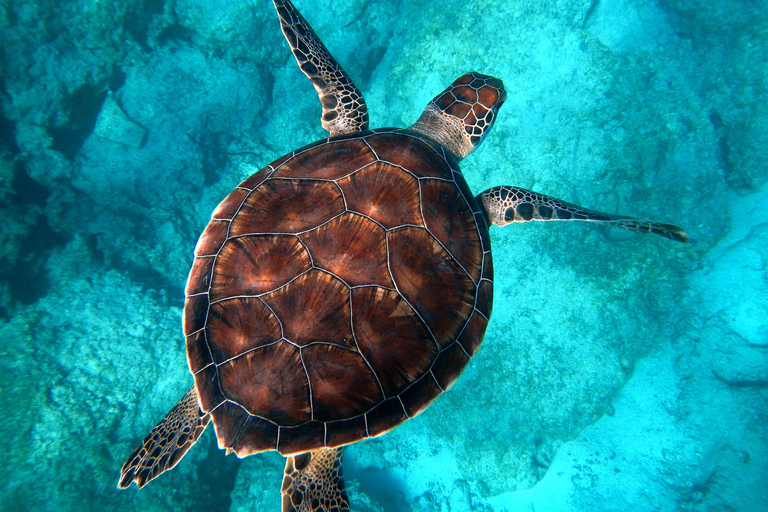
(336, 293)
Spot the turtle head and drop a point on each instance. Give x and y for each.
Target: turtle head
(461, 116)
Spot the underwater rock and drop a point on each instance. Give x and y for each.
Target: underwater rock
(624, 25)
(47, 166)
(55, 56)
(258, 483)
(732, 295)
(738, 273)
(224, 27)
(83, 344)
(657, 117)
(113, 125)
(156, 197)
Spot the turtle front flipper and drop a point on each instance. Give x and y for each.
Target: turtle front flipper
(344, 109)
(505, 205)
(313, 482)
(167, 443)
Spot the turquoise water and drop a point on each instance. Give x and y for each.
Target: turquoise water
(619, 372)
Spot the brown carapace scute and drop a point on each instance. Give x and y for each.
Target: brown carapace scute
(336, 293)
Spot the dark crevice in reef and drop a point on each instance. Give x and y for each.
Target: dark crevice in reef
(215, 157)
(84, 106)
(370, 62)
(137, 23)
(217, 476)
(268, 87)
(175, 32)
(589, 13)
(27, 191)
(26, 276)
(735, 177)
(147, 278)
(116, 80)
(8, 136)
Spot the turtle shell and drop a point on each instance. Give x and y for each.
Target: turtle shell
(336, 293)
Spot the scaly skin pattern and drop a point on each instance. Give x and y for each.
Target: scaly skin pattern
(167, 443)
(313, 482)
(506, 204)
(344, 109)
(463, 114)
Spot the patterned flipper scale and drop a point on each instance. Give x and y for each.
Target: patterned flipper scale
(313, 482)
(505, 205)
(344, 109)
(166, 444)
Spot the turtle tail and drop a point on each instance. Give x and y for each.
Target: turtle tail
(167, 443)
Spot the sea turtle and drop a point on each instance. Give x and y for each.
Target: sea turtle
(339, 290)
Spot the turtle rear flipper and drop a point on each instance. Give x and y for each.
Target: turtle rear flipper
(344, 109)
(313, 482)
(505, 205)
(167, 443)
